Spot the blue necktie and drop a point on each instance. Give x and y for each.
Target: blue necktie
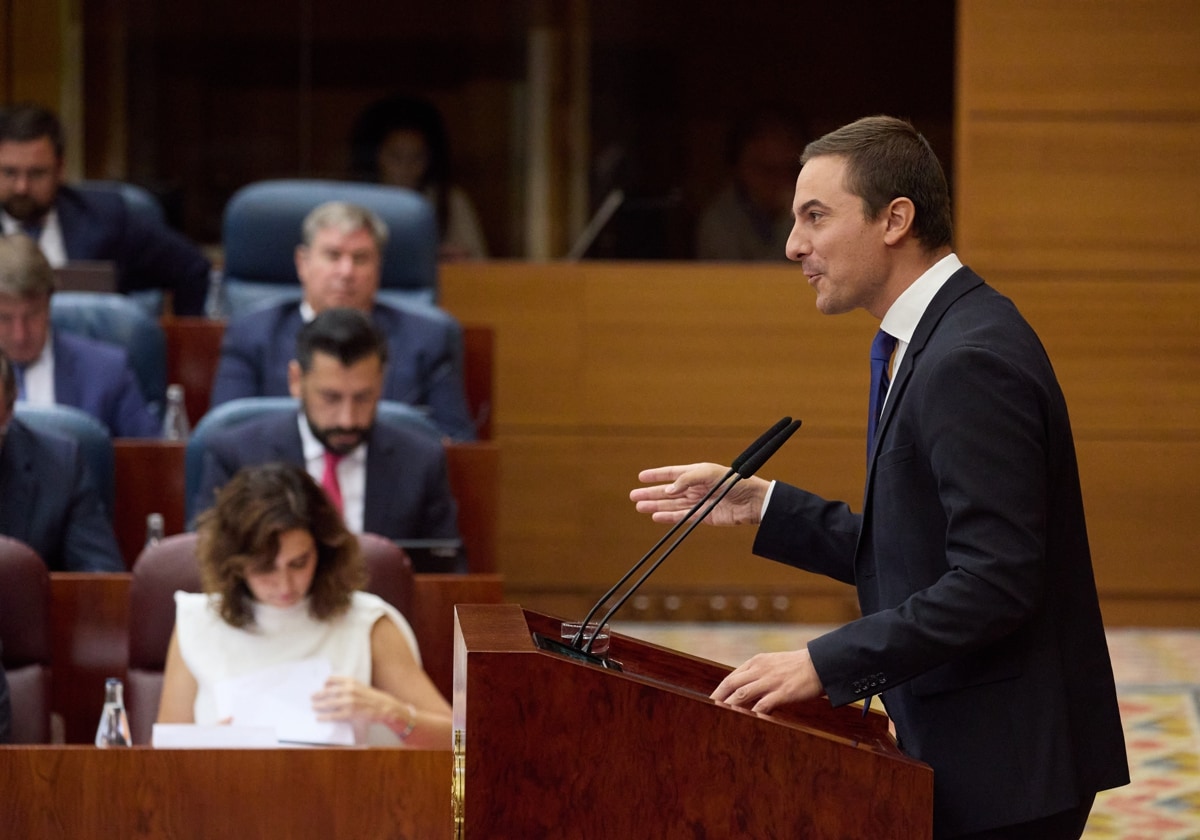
(881, 355)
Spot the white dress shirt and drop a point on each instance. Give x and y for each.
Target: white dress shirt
(901, 321)
(39, 376)
(50, 242)
(351, 473)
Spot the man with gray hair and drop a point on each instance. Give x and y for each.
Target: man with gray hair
(339, 265)
(56, 367)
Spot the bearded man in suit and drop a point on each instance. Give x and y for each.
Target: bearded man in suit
(390, 480)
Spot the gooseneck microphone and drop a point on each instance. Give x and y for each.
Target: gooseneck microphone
(759, 442)
(746, 465)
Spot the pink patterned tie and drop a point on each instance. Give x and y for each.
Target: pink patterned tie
(329, 480)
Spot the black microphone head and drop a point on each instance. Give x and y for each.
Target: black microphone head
(755, 461)
(759, 442)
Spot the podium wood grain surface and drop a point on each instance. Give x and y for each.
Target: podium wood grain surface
(557, 747)
(74, 792)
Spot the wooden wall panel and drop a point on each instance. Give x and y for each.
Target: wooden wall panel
(1055, 194)
(1089, 56)
(672, 363)
(1077, 125)
(1126, 350)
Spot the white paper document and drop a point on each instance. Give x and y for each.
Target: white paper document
(281, 698)
(194, 736)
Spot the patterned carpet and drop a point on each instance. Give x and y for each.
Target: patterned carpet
(1158, 682)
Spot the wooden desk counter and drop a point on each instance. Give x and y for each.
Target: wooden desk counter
(71, 792)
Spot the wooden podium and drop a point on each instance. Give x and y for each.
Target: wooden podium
(550, 746)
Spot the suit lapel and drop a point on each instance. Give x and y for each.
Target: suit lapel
(285, 444)
(66, 379)
(375, 498)
(961, 282)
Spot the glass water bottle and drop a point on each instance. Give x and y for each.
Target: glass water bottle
(113, 730)
(175, 419)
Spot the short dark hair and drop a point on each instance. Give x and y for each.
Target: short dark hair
(241, 534)
(25, 122)
(346, 334)
(886, 158)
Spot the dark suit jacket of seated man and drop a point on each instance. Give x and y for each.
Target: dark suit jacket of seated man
(424, 361)
(96, 377)
(98, 226)
(50, 503)
(407, 492)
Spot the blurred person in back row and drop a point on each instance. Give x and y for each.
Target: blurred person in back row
(402, 142)
(282, 579)
(339, 265)
(54, 367)
(70, 224)
(751, 217)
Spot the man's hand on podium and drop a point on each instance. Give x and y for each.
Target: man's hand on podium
(766, 681)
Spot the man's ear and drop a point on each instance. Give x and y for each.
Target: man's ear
(294, 376)
(899, 216)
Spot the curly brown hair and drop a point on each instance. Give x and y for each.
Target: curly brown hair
(241, 534)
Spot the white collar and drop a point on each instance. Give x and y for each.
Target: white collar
(905, 313)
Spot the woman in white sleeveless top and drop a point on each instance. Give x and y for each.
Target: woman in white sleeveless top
(281, 577)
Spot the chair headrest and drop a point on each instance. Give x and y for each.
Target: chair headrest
(262, 227)
(138, 200)
(92, 436)
(159, 571)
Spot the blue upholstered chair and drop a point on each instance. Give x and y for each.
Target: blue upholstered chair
(118, 320)
(140, 202)
(94, 441)
(232, 413)
(25, 636)
(262, 227)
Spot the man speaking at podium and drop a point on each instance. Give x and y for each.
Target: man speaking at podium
(981, 626)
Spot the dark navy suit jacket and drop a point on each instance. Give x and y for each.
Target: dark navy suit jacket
(97, 226)
(95, 376)
(424, 365)
(408, 487)
(49, 502)
(981, 625)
